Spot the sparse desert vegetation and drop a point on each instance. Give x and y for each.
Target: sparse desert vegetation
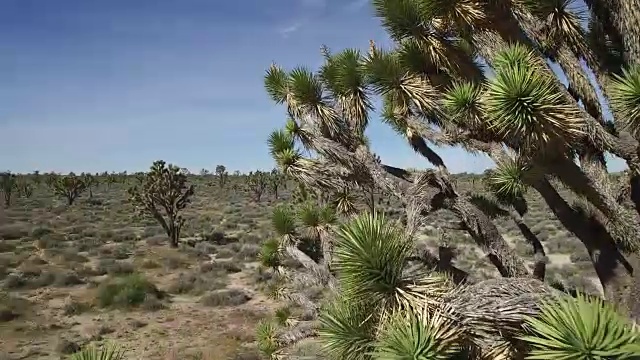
(336, 254)
(91, 273)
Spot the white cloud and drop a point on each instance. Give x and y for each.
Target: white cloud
(290, 29)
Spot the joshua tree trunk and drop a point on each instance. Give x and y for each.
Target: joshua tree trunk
(616, 273)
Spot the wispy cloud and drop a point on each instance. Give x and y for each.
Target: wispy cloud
(286, 31)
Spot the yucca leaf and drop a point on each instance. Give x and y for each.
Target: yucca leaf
(525, 109)
(266, 338)
(402, 18)
(279, 141)
(420, 336)
(269, 254)
(625, 99)
(348, 329)
(283, 221)
(507, 180)
(276, 83)
(369, 258)
(108, 352)
(343, 74)
(463, 104)
(580, 328)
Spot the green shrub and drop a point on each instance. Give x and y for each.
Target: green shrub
(128, 291)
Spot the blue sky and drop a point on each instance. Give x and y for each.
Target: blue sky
(95, 85)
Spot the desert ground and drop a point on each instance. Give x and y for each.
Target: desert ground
(94, 273)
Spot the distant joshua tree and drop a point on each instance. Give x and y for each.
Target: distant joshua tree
(163, 193)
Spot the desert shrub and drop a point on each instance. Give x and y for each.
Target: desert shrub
(74, 307)
(51, 241)
(215, 237)
(228, 266)
(198, 283)
(149, 264)
(128, 291)
(581, 256)
(123, 235)
(205, 248)
(40, 231)
(67, 278)
(13, 231)
(173, 262)
(88, 243)
(122, 252)
(225, 253)
(12, 306)
(226, 297)
(113, 267)
(6, 246)
(248, 252)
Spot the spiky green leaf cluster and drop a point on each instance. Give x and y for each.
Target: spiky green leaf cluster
(581, 328)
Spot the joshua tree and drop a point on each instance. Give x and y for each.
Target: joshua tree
(110, 179)
(257, 183)
(90, 181)
(163, 193)
(276, 180)
(221, 172)
(69, 186)
(25, 188)
(8, 184)
(50, 178)
(434, 90)
(36, 178)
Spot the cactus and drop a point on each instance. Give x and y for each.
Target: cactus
(8, 184)
(163, 193)
(68, 186)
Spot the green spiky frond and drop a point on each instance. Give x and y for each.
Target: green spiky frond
(463, 103)
(515, 55)
(328, 215)
(625, 99)
(348, 329)
(580, 328)
(344, 202)
(343, 75)
(283, 221)
(276, 82)
(421, 336)
(507, 180)
(292, 128)
(563, 22)
(309, 215)
(269, 254)
(369, 259)
(524, 104)
(266, 332)
(282, 149)
(388, 77)
(108, 352)
(403, 18)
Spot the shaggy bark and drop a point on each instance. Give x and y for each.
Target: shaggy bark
(614, 271)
